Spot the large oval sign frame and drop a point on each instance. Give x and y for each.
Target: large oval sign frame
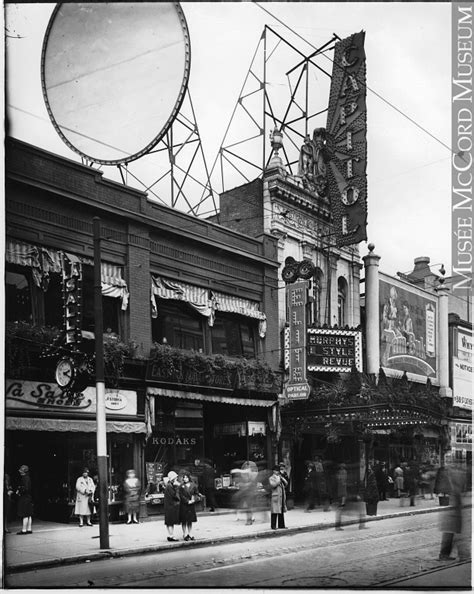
(114, 76)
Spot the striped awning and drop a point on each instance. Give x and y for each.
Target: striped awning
(71, 425)
(152, 391)
(44, 261)
(239, 305)
(195, 296)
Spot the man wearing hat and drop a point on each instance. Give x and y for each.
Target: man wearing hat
(278, 498)
(171, 504)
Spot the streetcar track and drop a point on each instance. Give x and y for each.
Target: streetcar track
(240, 561)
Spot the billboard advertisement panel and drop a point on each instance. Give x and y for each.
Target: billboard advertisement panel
(462, 368)
(408, 319)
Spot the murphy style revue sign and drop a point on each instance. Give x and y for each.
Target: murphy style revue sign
(334, 350)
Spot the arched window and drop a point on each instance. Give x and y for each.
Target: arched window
(341, 302)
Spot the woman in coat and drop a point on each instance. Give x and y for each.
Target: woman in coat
(131, 489)
(85, 488)
(25, 501)
(171, 504)
(341, 493)
(278, 499)
(189, 495)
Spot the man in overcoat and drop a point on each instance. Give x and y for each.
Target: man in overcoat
(278, 498)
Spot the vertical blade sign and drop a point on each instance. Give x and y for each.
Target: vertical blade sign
(296, 297)
(347, 141)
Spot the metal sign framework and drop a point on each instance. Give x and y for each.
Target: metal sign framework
(293, 121)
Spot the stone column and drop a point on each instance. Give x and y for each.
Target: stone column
(443, 341)
(372, 322)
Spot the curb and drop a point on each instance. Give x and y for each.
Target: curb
(205, 542)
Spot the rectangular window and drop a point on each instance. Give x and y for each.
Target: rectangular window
(110, 305)
(233, 336)
(18, 295)
(178, 325)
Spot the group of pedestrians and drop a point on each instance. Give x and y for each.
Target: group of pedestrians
(406, 480)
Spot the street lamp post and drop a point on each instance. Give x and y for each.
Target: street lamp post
(100, 394)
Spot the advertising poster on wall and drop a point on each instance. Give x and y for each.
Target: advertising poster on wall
(462, 368)
(408, 330)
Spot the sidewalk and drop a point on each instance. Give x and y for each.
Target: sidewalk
(53, 544)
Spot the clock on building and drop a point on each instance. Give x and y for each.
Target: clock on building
(71, 375)
(65, 373)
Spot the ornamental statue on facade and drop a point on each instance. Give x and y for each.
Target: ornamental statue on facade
(312, 165)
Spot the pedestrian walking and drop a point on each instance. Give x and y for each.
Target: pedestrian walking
(309, 488)
(398, 480)
(452, 521)
(381, 476)
(209, 485)
(7, 501)
(189, 495)
(341, 493)
(409, 483)
(278, 499)
(171, 504)
(131, 489)
(25, 500)
(85, 489)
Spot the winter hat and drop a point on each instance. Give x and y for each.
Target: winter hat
(172, 475)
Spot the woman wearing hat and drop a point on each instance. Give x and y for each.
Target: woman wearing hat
(171, 504)
(188, 494)
(85, 488)
(25, 501)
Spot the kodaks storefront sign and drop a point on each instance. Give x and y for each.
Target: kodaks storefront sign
(25, 395)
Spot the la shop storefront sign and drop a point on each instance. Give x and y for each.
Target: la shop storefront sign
(334, 350)
(26, 395)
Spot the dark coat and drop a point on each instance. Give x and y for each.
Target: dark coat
(187, 511)
(451, 520)
(171, 504)
(25, 501)
(131, 489)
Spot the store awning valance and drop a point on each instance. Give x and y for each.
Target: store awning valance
(239, 305)
(44, 261)
(196, 297)
(71, 425)
(208, 397)
(204, 301)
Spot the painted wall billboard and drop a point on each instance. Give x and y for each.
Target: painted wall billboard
(408, 330)
(462, 368)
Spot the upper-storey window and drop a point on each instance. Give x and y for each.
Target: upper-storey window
(178, 325)
(234, 336)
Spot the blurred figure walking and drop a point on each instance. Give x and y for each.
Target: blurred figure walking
(341, 493)
(131, 488)
(25, 501)
(452, 520)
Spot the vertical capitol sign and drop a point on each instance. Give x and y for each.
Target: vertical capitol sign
(347, 141)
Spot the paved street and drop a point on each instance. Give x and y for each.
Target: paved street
(388, 550)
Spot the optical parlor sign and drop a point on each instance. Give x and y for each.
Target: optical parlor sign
(334, 350)
(296, 296)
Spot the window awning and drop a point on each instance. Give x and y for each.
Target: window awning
(71, 425)
(208, 397)
(43, 261)
(204, 301)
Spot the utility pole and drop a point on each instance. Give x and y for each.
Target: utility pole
(100, 394)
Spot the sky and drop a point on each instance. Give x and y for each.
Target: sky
(408, 53)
